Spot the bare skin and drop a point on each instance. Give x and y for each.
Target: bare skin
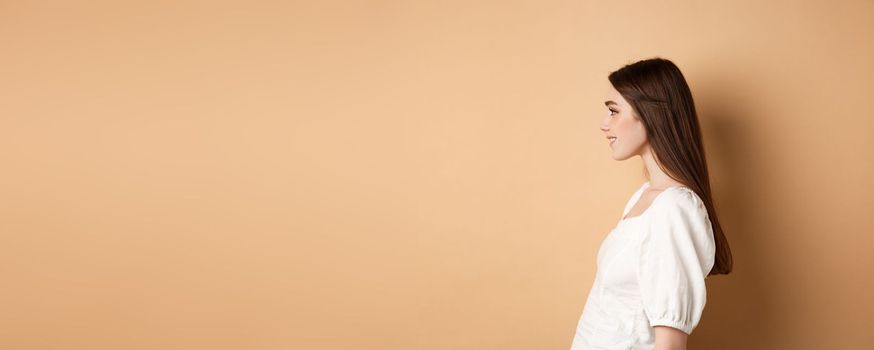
(631, 140)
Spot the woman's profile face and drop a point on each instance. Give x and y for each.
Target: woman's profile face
(621, 123)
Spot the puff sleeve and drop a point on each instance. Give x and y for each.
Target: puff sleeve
(677, 251)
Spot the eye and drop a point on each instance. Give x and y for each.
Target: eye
(612, 111)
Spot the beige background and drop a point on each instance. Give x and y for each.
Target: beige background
(412, 175)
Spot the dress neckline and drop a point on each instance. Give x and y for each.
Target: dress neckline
(625, 217)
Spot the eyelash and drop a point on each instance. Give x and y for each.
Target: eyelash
(611, 110)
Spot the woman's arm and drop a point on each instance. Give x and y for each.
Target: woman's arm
(669, 338)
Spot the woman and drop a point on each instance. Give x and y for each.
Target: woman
(649, 290)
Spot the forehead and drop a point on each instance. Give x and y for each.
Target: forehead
(613, 97)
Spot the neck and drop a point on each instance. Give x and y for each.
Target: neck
(658, 179)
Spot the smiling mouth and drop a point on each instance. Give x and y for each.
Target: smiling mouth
(612, 140)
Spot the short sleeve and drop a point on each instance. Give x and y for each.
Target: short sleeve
(677, 252)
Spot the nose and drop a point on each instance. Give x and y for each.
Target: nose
(604, 123)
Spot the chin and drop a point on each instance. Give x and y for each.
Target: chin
(621, 156)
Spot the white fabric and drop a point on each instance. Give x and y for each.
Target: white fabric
(650, 271)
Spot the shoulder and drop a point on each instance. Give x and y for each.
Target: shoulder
(681, 198)
(679, 220)
(679, 206)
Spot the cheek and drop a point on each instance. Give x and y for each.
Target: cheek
(632, 131)
(626, 126)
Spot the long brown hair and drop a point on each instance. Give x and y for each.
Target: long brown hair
(661, 98)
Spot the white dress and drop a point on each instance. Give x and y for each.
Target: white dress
(650, 271)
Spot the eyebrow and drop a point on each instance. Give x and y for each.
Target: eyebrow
(609, 102)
